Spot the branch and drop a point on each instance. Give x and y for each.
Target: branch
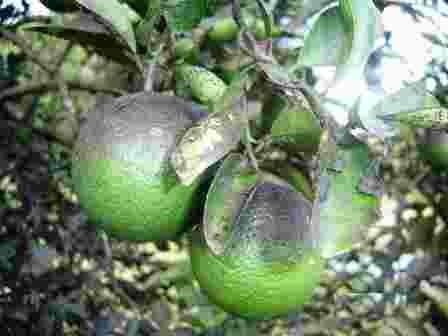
(53, 85)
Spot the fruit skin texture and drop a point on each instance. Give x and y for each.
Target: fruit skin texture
(202, 84)
(253, 289)
(61, 6)
(121, 170)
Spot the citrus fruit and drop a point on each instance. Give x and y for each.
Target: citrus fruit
(254, 256)
(121, 169)
(292, 126)
(434, 148)
(200, 83)
(61, 6)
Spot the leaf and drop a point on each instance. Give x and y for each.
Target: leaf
(326, 43)
(344, 212)
(362, 23)
(67, 311)
(408, 99)
(213, 137)
(111, 13)
(183, 15)
(432, 116)
(435, 39)
(225, 197)
(7, 252)
(82, 28)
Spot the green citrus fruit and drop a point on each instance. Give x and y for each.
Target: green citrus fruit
(257, 260)
(434, 148)
(292, 126)
(121, 169)
(61, 6)
(200, 83)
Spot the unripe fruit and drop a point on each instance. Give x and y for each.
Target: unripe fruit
(121, 170)
(200, 83)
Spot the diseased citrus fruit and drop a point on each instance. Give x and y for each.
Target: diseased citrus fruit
(254, 256)
(61, 6)
(121, 169)
(200, 83)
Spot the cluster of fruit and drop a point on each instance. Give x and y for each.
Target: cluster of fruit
(259, 218)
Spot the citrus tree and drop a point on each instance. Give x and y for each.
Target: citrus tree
(223, 143)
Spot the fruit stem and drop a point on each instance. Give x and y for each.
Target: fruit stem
(248, 136)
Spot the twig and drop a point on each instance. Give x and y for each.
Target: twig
(32, 88)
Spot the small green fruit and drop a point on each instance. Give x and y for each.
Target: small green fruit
(121, 170)
(292, 126)
(223, 30)
(185, 48)
(62, 6)
(200, 83)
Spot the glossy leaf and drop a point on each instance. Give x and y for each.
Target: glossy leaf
(111, 13)
(183, 15)
(432, 115)
(82, 28)
(344, 212)
(408, 99)
(326, 43)
(362, 23)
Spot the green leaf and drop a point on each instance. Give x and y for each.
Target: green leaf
(183, 15)
(409, 99)
(111, 13)
(7, 252)
(82, 28)
(344, 212)
(431, 115)
(361, 20)
(326, 43)
(67, 311)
